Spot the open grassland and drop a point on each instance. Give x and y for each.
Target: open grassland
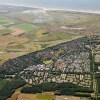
(43, 96)
(3, 21)
(5, 31)
(27, 27)
(22, 32)
(6, 41)
(19, 96)
(12, 47)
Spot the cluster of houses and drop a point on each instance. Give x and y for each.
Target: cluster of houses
(1, 53)
(70, 63)
(62, 70)
(33, 75)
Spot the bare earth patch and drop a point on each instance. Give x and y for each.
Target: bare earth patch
(72, 28)
(15, 95)
(1, 27)
(67, 98)
(17, 32)
(27, 97)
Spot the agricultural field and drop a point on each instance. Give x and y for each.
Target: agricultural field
(5, 31)
(3, 21)
(27, 27)
(25, 30)
(19, 96)
(43, 96)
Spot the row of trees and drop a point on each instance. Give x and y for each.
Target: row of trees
(10, 88)
(57, 88)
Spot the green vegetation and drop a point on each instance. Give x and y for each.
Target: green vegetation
(3, 21)
(34, 89)
(97, 78)
(59, 89)
(43, 35)
(44, 96)
(27, 27)
(39, 36)
(3, 83)
(58, 36)
(7, 88)
(47, 61)
(83, 94)
(98, 85)
(5, 31)
(19, 46)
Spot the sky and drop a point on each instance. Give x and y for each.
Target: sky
(71, 4)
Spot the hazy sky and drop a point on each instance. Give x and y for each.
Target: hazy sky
(82, 4)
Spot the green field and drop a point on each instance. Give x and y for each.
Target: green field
(47, 33)
(3, 21)
(45, 96)
(5, 31)
(27, 27)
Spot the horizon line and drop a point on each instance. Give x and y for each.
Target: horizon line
(57, 9)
